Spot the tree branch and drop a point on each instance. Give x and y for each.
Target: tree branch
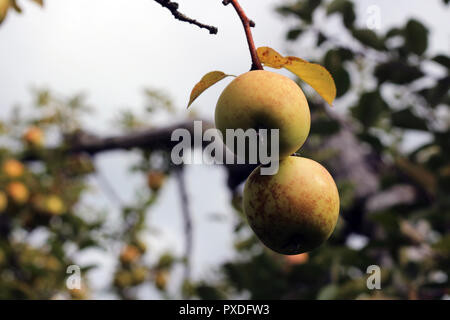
(173, 8)
(247, 23)
(187, 219)
(159, 138)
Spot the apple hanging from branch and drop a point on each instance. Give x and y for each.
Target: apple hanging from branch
(296, 209)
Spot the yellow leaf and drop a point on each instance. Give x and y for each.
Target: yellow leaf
(4, 6)
(207, 81)
(314, 74)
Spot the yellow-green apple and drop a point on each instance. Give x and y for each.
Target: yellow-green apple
(129, 254)
(265, 100)
(295, 210)
(34, 137)
(54, 205)
(50, 204)
(155, 180)
(13, 168)
(123, 279)
(18, 192)
(161, 278)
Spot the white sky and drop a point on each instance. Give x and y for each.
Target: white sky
(112, 49)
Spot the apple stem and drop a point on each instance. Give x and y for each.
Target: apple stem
(247, 23)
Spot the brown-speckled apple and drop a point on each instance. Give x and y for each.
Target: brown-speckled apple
(265, 100)
(295, 210)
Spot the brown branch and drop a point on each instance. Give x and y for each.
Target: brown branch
(173, 8)
(155, 138)
(247, 23)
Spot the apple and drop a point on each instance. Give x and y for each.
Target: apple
(139, 274)
(161, 279)
(54, 205)
(265, 100)
(80, 294)
(129, 254)
(34, 137)
(18, 192)
(295, 210)
(123, 279)
(51, 204)
(13, 168)
(155, 180)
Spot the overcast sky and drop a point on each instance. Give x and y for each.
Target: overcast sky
(112, 49)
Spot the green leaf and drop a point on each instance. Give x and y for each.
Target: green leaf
(207, 292)
(443, 246)
(349, 17)
(304, 9)
(321, 38)
(294, 34)
(442, 60)
(368, 38)
(407, 120)
(398, 72)
(416, 37)
(346, 9)
(334, 58)
(369, 109)
(372, 140)
(337, 6)
(393, 33)
(324, 126)
(343, 82)
(437, 94)
(333, 62)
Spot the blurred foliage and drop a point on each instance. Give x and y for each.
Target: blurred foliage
(42, 193)
(392, 96)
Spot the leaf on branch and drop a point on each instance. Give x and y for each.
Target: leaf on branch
(368, 38)
(314, 74)
(207, 81)
(416, 37)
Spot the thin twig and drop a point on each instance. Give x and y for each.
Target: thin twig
(247, 23)
(187, 217)
(108, 188)
(173, 8)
